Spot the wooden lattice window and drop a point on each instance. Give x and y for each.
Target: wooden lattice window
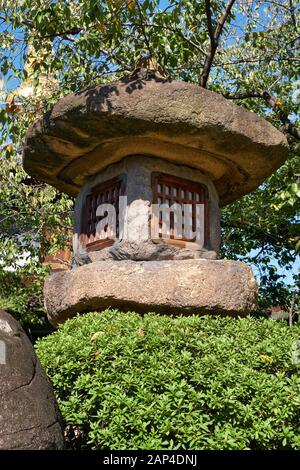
(105, 193)
(168, 189)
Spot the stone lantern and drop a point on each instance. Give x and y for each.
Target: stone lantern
(150, 162)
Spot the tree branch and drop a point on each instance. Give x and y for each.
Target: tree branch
(292, 12)
(259, 60)
(66, 36)
(223, 19)
(271, 101)
(183, 36)
(288, 125)
(142, 25)
(119, 61)
(244, 95)
(209, 21)
(214, 39)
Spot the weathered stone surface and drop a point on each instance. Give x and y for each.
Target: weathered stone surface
(136, 241)
(180, 122)
(187, 286)
(147, 251)
(29, 417)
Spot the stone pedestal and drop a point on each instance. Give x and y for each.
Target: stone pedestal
(217, 287)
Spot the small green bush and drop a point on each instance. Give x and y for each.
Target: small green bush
(159, 382)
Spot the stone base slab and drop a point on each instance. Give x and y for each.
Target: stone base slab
(196, 286)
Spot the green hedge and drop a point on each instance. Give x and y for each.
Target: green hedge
(157, 382)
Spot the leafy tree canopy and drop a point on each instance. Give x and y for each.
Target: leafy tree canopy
(248, 50)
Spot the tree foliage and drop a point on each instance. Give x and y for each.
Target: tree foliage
(245, 49)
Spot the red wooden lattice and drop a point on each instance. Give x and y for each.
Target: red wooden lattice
(108, 192)
(168, 189)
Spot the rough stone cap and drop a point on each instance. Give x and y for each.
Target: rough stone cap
(87, 131)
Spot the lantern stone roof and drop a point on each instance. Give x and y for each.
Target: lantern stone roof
(183, 123)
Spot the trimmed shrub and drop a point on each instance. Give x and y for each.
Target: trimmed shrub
(127, 381)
